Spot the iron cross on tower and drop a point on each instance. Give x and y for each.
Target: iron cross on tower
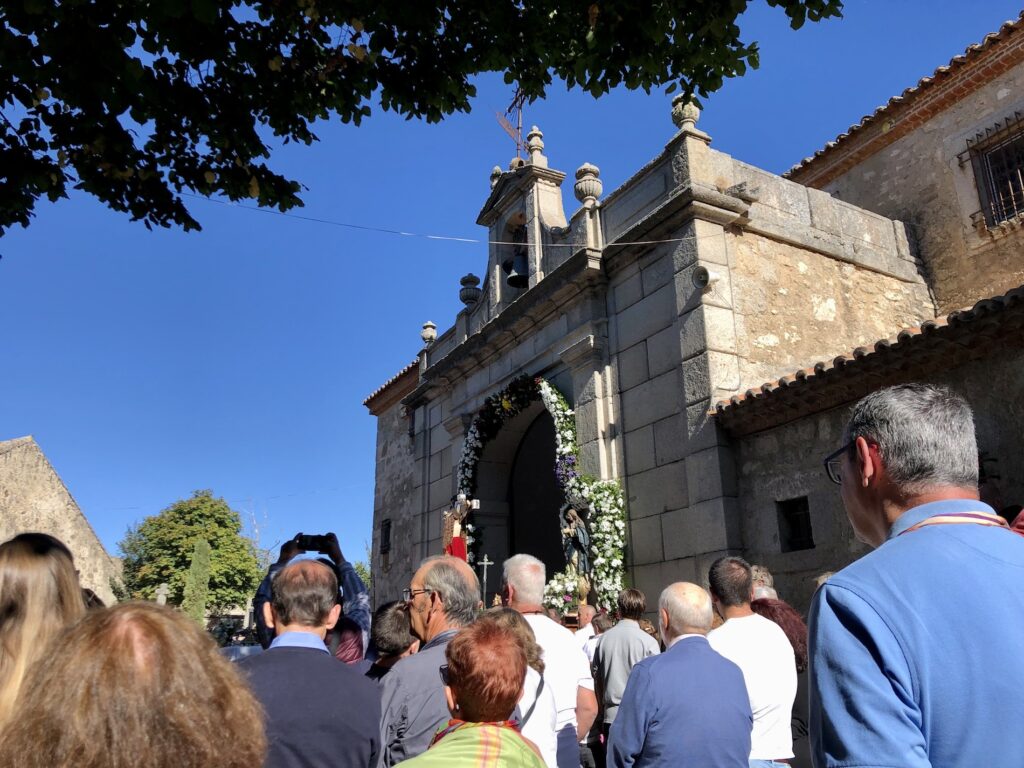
(484, 563)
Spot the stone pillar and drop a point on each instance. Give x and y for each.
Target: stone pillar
(709, 525)
(594, 405)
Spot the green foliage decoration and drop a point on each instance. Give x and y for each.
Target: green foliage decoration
(160, 549)
(140, 103)
(197, 582)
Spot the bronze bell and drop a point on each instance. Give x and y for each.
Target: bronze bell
(518, 270)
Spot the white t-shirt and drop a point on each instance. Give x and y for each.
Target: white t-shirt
(565, 665)
(762, 651)
(543, 722)
(584, 635)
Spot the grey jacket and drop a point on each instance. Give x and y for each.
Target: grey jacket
(412, 703)
(618, 650)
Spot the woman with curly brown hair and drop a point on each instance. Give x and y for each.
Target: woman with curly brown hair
(134, 685)
(39, 597)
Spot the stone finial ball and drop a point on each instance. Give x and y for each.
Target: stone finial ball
(685, 113)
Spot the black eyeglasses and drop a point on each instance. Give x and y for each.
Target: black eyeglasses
(409, 594)
(834, 460)
(443, 670)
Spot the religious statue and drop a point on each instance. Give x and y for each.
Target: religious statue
(576, 545)
(453, 539)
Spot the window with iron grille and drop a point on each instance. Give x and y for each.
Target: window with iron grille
(997, 156)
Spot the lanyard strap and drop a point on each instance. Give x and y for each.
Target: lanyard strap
(961, 518)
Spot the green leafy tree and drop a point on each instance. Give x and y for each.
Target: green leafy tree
(138, 102)
(197, 583)
(159, 550)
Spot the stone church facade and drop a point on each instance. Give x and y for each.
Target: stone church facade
(661, 309)
(34, 498)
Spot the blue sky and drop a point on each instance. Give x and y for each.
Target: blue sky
(151, 364)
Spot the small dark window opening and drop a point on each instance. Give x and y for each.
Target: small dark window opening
(997, 157)
(385, 536)
(795, 524)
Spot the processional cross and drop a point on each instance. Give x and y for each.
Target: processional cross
(484, 563)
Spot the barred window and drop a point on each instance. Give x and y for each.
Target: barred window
(997, 156)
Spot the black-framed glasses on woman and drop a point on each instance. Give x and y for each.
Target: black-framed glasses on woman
(834, 460)
(443, 671)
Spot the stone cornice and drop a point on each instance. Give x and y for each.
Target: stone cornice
(581, 274)
(511, 184)
(393, 390)
(585, 351)
(686, 202)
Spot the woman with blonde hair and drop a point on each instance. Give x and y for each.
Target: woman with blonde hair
(39, 597)
(131, 686)
(536, 710)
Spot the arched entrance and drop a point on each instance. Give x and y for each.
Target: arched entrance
(536, 497)
(519, 495)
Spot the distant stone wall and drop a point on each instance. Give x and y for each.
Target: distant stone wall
(396, 498)
(794, 306)
(786, 463)
(926, 179)
(33, 498)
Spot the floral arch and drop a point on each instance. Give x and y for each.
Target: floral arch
(606, 521)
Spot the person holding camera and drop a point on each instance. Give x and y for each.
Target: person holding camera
(319, 714)
(349, 638)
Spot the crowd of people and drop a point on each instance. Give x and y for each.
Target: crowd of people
(910, 659)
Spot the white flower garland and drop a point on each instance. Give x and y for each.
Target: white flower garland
(606, 520)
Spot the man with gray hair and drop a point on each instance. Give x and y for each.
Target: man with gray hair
(687, 706)
(443, 596)
(914, 648)
(566, 668)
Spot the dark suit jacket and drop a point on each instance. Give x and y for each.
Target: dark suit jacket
(320, 712)
(686, 707)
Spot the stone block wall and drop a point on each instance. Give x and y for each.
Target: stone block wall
(785, 463)
(397, 493)
(33, 498)
(926, 178)
(794, 306)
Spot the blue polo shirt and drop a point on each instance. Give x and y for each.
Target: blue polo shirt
(915, 649)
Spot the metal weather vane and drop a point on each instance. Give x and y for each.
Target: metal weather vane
(515, 112)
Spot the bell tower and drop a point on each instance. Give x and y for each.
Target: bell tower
(524, 215)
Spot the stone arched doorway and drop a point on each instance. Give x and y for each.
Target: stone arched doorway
(536, 497)
(519, 495)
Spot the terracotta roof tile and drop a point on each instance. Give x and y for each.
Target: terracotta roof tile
(394, 379)
(961, 336)
(940, 74)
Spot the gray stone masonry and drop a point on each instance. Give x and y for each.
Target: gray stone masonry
(34, 499)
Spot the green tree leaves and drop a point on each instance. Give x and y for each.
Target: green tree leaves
(160, 550)
(137, 103)
(197, 583)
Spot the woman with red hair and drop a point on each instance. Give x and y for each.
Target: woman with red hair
(483, 680)
(792, 623)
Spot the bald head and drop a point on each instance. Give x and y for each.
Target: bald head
(684, 609)
(586, 614)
